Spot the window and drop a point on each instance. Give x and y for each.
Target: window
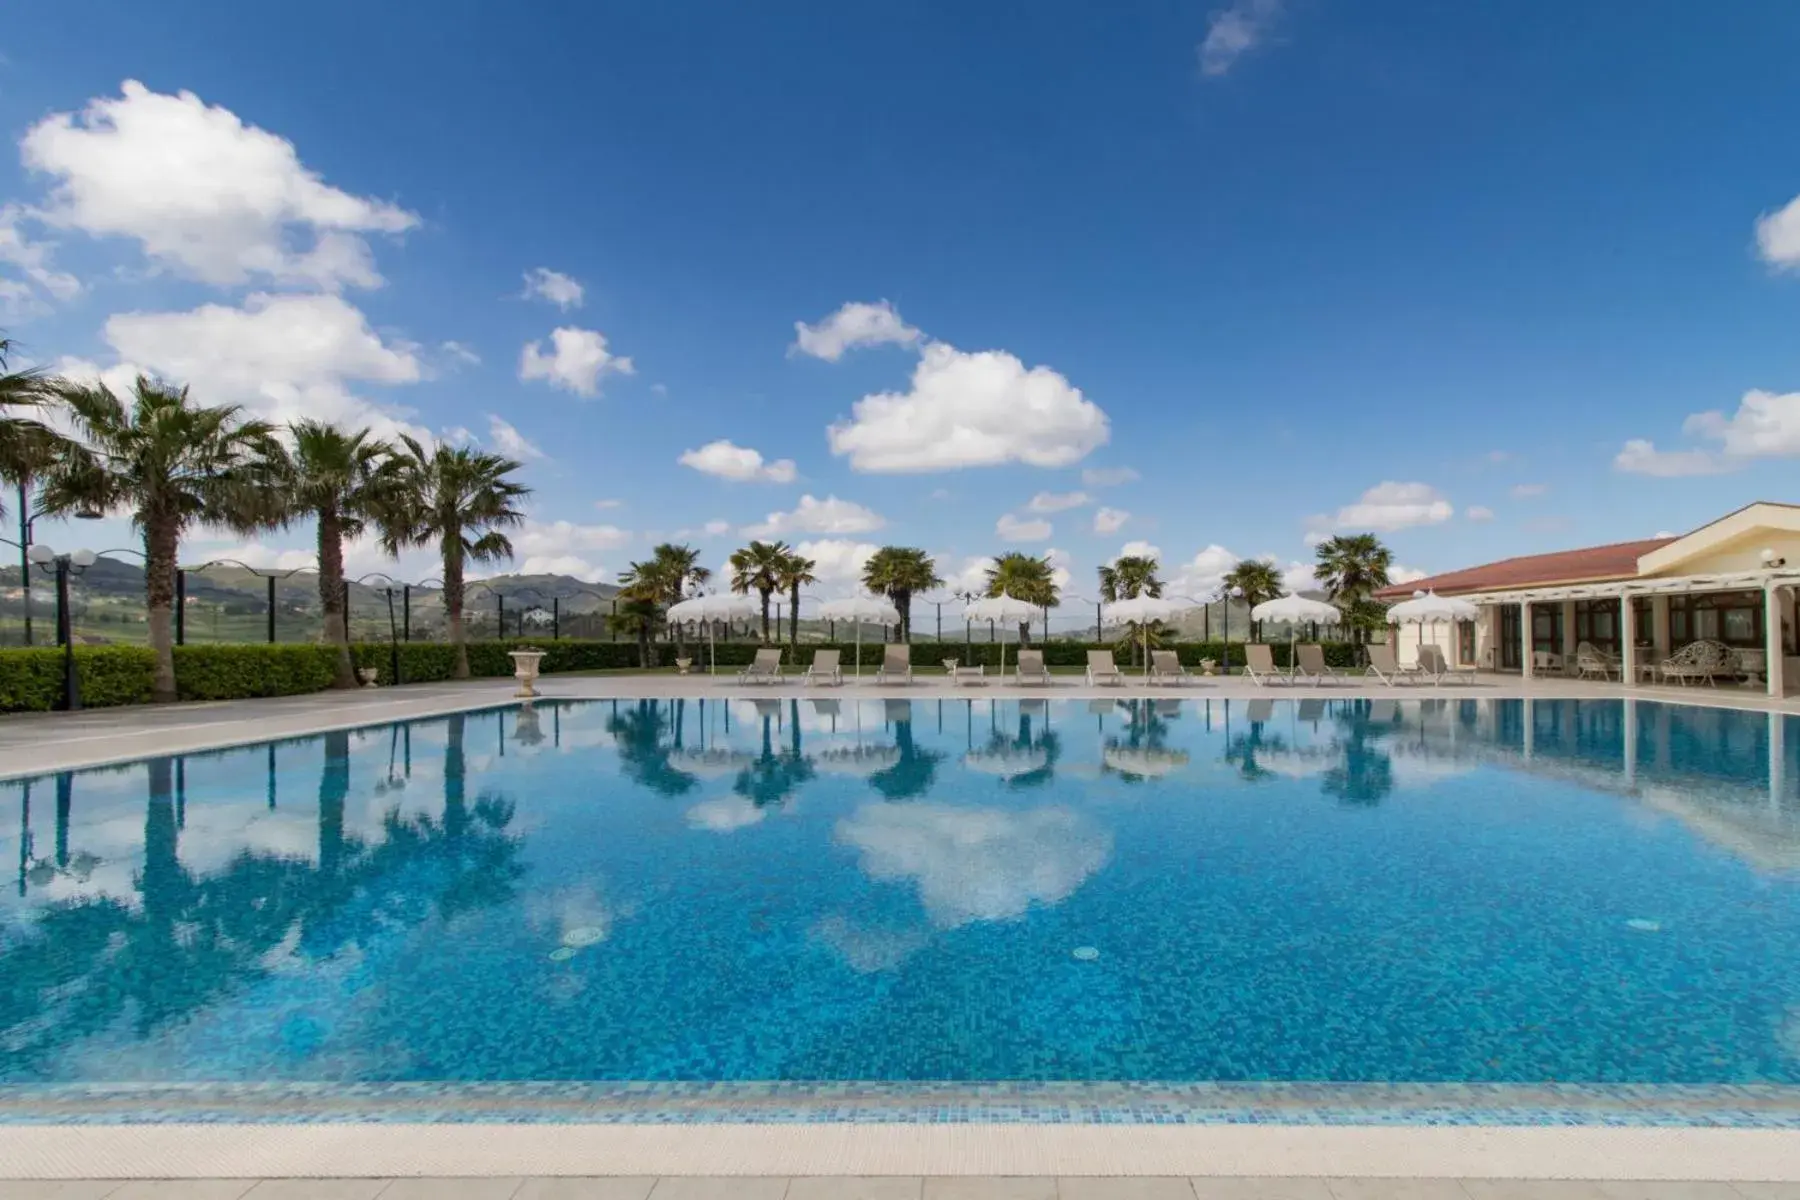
(1465, 643)
(1735, 618)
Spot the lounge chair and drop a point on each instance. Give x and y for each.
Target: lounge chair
(1032, 669)
(1434, 664)
(1704, 659)
(1385, 665)
(896, 664)
(1259, 665)
(1103, 668)
(1591, 661)
(766, 666)
(958, 674)
(824, 667)
(1165, 667)
(1309, 663)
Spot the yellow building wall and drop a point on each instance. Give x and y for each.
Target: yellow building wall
(1742, 553)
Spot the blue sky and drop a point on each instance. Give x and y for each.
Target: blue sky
(1218, 278)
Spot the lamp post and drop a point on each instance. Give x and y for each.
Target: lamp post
(28, 518)
(1236, 593)
(76, 562)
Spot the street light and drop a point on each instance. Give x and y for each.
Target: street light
(1236, 593)
(28, 518)
(78, 561)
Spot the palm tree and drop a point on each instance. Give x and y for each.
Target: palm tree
(1353, 568)
(335, 477)
(666, 578)
(462, 500)
(900, 573)
(1026, 578)
(796, 572)
(26, 445)
(1257, 580)
(174, 464)
(637, 613)
(1125, 579)
(757, 568)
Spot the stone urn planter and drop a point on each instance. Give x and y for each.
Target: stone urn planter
(683, 665)
(367, 675)
(525, 670)
(1209, 666)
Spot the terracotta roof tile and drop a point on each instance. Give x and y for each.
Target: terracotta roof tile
(1617, 561)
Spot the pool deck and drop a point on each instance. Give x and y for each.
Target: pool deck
(822, 1161)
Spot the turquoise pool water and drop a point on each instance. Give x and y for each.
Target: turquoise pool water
(1417, 891)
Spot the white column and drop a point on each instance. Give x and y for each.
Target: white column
(1659, 626)
(1772, 639)
(1525, 637)
(1630, 719)
(1568, 632)
(1627, 641)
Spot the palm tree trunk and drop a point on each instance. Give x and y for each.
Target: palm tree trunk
(161, 541)
(1024, 633)
(794, 619)
(763, 592)
(453, 603)
(332, 594)
(456, 765)
(903, 601)
(334, 787)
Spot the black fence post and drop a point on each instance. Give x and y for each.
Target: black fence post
(556, 618)
(1099, 621)
(940, 620)
(614, 623)
(271, 610)
(181, 608)
(393, 643)
(499, 615)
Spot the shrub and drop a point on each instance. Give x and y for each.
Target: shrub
(31, 680)
(236, 672)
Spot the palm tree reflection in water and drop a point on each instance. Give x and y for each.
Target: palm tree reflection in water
(916, 771)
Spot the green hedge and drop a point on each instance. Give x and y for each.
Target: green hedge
(31, 679)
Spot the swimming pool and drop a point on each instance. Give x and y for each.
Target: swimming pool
(1452, 892)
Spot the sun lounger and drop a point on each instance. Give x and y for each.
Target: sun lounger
(1437, 668)
(896, 664)
(1385, 665)
(1102, 668)
(1032, 668)
(1165, 667)
(1309, 663)
(824, 668)
(767, 666)
(1259, 665)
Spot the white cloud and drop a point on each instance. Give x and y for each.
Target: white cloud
(541, 283)
(855, 324)
(716, 528)
(565, 564)
(1110, 520)
(606, 504)
(1478, 512)
(1778, 235)
(968, 575)
(811, 515)
(1140, 549)
(1391, 506)
(1297, 576)
(1108, 476)
(1235, 31)
(977, 864)
(27, 295)
(971, 410)
(1053, 502)
(1399, 573)
(460, 354)
(577, 360)
(1765, 425)
(282, 356)
(725, 814)
(1203, 575)
(737, 463)
(838, 562)
(541, 542)
(203, 193)
(939, 494)
(1525, 491)
(1015, 529)
(510, 441)
(362, 555)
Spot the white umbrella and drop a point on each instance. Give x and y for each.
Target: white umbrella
(720, 606)
(1004, 610)
(1142, 610)
(860, 609)
(1008, 762)
(856, 760)
(1149, 762)
(1296, 609)
(1429, 608)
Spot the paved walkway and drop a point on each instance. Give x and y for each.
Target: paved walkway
(888, 1188)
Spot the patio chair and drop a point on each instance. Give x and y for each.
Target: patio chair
(1031, 668)
(825, 668)
(1591, 662)
(1103, 668)
(1165, 667)
(896, 664)
(1309, 663)
(1704, 659)
(1384, 664)
(1434, 663)
(766, 666)
(1259, 665)
(958, 674)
